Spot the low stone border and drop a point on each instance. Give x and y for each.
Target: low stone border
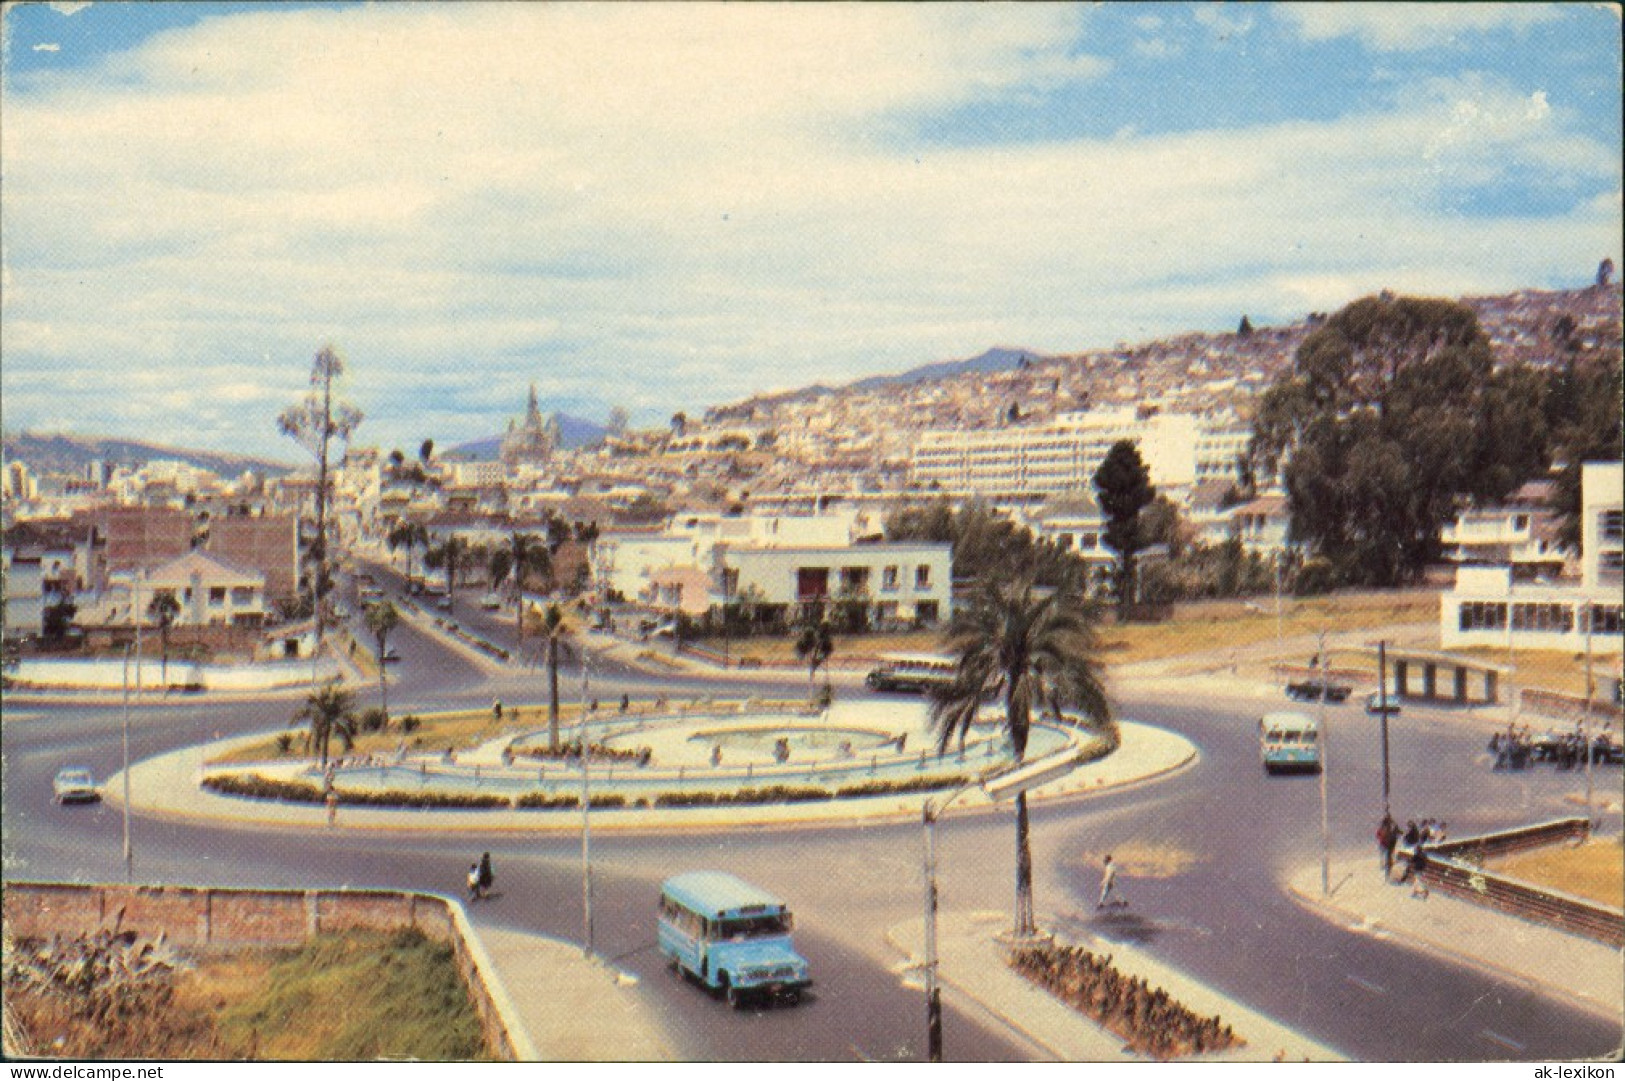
(209, 916)
(1453, 867)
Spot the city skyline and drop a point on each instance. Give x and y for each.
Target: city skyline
(663, 208)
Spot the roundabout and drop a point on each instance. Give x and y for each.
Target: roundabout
(720, 766)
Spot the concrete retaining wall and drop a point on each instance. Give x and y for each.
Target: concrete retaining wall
(1455, 868)
(204, 917)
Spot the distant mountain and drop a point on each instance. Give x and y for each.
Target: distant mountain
(63, 453)
(573, 432)
(997, 359)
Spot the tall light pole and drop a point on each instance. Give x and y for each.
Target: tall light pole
(1280, 655)
(1008, 784)
(1382, 700)
(129, 853)
(1585, 718)
(1325, 763)
(586, 817)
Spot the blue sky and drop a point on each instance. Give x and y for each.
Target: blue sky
(665, 207)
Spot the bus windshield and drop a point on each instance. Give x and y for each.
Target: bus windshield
(753, 926)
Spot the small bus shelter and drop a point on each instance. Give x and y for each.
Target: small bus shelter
(1443, 677)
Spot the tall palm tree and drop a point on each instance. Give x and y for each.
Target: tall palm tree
(555, 629)
(330, 709)
(165, 609)
(527, 555)
(451, 556)
(1034, 649)
(382, 619)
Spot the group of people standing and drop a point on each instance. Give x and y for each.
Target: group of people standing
(1416, 837)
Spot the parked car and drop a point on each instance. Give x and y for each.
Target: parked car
(491, 602)
(1376, 703)
(1308, 690)
(390, 656)
(75, 785)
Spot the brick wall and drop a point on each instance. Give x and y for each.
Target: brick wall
(200, 917)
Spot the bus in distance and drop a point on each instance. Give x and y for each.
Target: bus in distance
(731, 936)
(912, 672)
(1289, 741)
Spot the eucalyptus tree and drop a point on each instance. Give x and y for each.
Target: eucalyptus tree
(314, 422)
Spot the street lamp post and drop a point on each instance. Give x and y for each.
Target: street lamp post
(129, 853)
(1382, 721)
(586, 817)
(1325, 763)
(1007, 784)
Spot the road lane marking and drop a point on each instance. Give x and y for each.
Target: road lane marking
(1374, 988)
(1504, 1041)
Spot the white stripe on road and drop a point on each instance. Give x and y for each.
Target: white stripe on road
(1374, 988)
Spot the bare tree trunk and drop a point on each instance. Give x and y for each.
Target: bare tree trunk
(553, 697)
(1025, 924)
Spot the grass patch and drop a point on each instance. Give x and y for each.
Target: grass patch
(1594, 870)
(1552, 670)
(1194, 628)
(358, 996)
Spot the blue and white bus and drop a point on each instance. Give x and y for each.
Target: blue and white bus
(1289, 741)
(912, 672)
(731, 936)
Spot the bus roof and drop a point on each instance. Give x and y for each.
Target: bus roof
(918, 658)
(1289, 719)
(716, 893)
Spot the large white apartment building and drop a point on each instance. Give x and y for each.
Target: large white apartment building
(1179, 449)
(1489, 607)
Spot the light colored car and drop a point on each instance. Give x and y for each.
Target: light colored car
(75, 785)
(1376, 703)
(491, 602)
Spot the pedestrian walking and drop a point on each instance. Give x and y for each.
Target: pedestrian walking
(1108, 885)
(487, 876)
(474, 882)
(332, 808)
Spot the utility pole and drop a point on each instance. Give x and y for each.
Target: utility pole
(1325, 764)
(1382, 692)
(933, 993)
(1585, 718)
(129, 853)
(586, 818)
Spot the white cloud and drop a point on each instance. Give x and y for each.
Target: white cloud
(668, 207)
(1406, 27)
(47, 47)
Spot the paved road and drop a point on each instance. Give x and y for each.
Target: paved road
(1224, 835)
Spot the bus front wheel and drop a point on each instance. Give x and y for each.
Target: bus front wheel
(734, 996)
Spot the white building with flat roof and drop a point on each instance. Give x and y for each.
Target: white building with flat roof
(1489, 607)
(1179, 449)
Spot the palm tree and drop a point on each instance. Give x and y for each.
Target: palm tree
(814, 646)
(526, 554)
(1034, 649)
(164, 608)
(382, 618)
(555, 629)
(451, 555)
(409, 535)
(330, 709)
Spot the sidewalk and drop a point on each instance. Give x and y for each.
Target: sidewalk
(1589, 974)
(973, 968)
(555, 989)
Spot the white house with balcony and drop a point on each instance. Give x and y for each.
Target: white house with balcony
(1490, 607)
(902, 583)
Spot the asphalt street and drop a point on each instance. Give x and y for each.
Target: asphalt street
(1206, 853)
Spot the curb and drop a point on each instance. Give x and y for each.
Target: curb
(1364, 923)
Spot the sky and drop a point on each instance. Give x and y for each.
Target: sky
(667, 207)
